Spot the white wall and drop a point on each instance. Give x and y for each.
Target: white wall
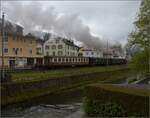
(92, 53)
(66, 50)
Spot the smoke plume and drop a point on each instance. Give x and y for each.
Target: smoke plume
(35, 17)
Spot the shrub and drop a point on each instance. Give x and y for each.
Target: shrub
(114, 100)
(93, 108)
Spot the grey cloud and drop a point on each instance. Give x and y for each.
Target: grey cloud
(112, 19)
(34, 17)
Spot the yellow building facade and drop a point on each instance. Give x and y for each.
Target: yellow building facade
(21, 51)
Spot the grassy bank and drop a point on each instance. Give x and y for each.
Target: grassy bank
(43, 75)
(107, 100)
(114, 76)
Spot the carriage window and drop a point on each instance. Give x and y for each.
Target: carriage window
(59, 59)
(66, 59)
(55, 60)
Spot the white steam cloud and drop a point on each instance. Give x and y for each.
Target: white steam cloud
(36, 17)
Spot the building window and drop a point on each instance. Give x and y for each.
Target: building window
(38, 50)
(57, 41)
(6, 37)
(30, 51)
(80, 54)
(60, 46)
(73, 54)
(53, 46)
(20, 49)
(47, 53)
(53, 53)
(63, 60)
(46, 47)
(5, 50)
(60, 53)
(92, 53)
(14, 37)
(87, 53)
(13, 49)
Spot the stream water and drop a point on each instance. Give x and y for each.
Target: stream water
(65, 104)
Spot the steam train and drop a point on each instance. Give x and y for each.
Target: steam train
(63, 61)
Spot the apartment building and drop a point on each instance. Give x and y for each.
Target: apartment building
(90, 53)
(21, 51)
(59, 46)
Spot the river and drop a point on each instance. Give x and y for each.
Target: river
(60, 105)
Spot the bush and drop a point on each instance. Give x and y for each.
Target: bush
(93, 108)
(114, 101)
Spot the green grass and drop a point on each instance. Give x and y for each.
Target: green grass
(43, 75)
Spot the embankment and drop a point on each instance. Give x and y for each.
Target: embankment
(18, 92)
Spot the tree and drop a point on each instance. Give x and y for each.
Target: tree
(46, 36)
(141, 38)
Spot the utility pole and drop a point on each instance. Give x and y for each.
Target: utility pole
(107, 53)
(2, 32)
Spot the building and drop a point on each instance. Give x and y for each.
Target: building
(113, 53)
(90, 53)
(21, 51)
(108, 54)
(59, 46)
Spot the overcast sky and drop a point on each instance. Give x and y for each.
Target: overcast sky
(112, 20)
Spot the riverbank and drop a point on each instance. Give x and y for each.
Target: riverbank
(21, 91)
(33, 76)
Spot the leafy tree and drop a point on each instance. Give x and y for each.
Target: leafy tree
(141, 38)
